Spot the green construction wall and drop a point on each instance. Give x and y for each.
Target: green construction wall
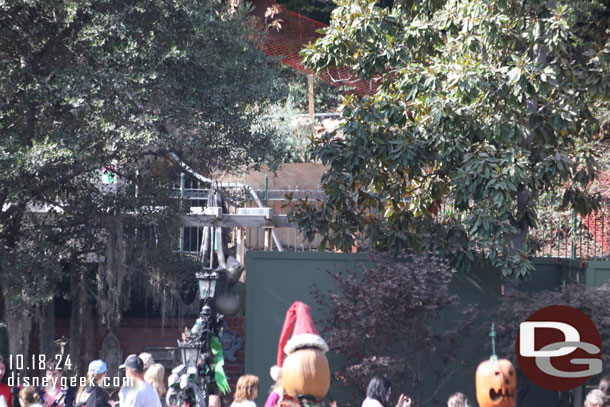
(275, 280)
(482, 286)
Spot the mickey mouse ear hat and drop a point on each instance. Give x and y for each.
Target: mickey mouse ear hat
(304, 335)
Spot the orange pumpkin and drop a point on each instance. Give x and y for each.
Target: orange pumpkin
(305, 372)
(496, 382)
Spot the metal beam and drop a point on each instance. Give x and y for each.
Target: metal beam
(238, 221)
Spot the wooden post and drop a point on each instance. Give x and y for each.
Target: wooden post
(240, 251)
(220, 253)
(268, 240)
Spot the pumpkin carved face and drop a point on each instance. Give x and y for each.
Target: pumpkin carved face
(496, 382)
(306, 373)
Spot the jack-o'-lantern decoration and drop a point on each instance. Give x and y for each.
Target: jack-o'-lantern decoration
(496, 380)
(496, 383)
(305, 370)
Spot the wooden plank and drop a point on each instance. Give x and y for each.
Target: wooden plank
(238, 221)
(267, 213)
(268, 242)
(240, 253)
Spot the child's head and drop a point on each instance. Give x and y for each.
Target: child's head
(28, 396)
(247, 388)
(595, 398)
(458, 400)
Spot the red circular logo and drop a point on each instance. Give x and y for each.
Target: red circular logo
(559, 348)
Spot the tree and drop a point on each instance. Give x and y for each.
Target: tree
(92, 85)
(397, 319)
(484, 107)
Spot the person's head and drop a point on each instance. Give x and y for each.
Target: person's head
(458, 400)
(3, 369)
(53, 372)
(28, 396)
(379, 389)
(155, 376)
(604, 385)
(247, 388)
(147, 359)
(134, 367)
(96, 372)
(595, 398)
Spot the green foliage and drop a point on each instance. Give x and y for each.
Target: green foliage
(292, 84)
(293, 132)
(485, 105)
(91, 84)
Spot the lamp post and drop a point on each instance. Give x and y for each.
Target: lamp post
(192, 383)
(210, 324)
(195, 347)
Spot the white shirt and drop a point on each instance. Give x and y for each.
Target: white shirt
(245, 403)
(141, 394)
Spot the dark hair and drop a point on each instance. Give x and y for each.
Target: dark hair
(379, 389)
(52, 364)
(6, 371)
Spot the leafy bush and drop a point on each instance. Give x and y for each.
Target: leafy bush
(396, 318)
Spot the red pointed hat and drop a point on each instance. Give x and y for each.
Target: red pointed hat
(304, 334)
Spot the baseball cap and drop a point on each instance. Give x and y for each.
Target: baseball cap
(97, 367)
(147, 359)
(134, 362)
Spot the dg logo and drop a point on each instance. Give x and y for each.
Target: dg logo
(559, 348)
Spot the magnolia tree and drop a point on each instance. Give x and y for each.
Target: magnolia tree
(481, 108)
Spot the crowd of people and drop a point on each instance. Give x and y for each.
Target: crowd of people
(147, 389)
(380, 388)
(146, 386)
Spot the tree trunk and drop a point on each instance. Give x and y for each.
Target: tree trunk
(519, 239)
(19, 327)
(75, 328)
(46, 329)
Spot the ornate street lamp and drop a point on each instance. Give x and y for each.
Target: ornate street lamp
(189, 351)
(192, 383)
(207, 284)
(195, 347)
